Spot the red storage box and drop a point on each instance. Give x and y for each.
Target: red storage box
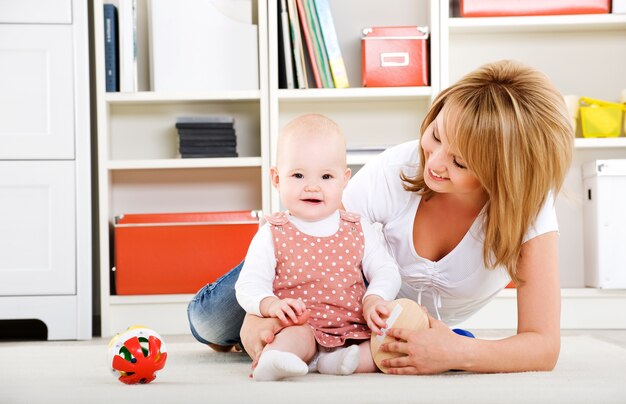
(501, 8)
(179, 252)
(394, 56)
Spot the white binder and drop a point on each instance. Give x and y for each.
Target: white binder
(195, 47)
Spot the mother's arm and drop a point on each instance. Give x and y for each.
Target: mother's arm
(536, 345)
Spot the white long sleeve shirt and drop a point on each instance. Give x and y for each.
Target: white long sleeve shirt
(456, 286)
(257, 275)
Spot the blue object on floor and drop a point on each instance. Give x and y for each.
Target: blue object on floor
(464, 333)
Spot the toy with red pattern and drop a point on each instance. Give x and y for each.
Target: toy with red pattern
(136, 355)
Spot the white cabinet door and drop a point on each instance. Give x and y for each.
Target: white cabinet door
(37, 228)
(36, 11)
(36, 92)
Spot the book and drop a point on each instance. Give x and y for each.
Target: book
(230, 152)
(110, 48)
(207, 132)
(284, 39)
(207, 143)
(335, 58)
(208, 150)
(296, 45)
(205, 125)
(127, 45)
(282, 73)
(307, 63)
(207, 155)
(205, 122)
(206, 119)
(310, 46)
(318, 43)
(142, 58)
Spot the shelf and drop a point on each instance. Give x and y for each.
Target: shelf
(360, 158)
(357, 94)
(582, 308)
(566, 293)
(597, 143)
(150, 299)
(151, 164)
(509, 293)
(154, 97)
(591, 22)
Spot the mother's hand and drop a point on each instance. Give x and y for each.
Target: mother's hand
(256, 332)
(429, 351)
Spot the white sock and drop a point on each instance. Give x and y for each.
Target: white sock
(313, 363)
(277, 365)
(342, 361)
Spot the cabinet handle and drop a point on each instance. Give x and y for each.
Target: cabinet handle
(389, 59)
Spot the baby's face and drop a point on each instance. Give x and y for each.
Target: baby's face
(311, 176)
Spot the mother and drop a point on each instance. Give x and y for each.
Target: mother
(465, 209)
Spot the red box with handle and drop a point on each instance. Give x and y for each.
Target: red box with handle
(171, 253)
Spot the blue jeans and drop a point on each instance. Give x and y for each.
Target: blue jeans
(214, 314)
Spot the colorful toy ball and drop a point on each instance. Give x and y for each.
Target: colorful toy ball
(136, 355)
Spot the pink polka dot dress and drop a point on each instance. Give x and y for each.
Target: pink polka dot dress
(325, 273)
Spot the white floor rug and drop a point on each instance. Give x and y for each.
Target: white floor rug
(589, 371)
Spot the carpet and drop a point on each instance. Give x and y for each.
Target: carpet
(589, 371)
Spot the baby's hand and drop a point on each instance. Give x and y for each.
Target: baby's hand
(375, 312)
(285, 309)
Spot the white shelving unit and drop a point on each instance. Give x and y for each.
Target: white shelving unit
(584, 55)
(140, 172)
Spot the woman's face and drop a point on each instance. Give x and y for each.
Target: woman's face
(445, 171)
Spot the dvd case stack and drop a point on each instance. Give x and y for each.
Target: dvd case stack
(206, 136)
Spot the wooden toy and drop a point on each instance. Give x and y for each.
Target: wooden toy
(405, 313)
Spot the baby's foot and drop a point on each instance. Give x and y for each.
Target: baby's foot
(277, 365)
(343, 361)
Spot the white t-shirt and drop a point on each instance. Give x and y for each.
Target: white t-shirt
(259, 269)
(456, 286)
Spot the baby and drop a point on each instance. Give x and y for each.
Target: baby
(313, 257)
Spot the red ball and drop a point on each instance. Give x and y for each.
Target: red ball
(136, 355)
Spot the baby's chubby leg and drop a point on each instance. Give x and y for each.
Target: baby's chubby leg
(366, 361)
(345, 361)
(287, 355)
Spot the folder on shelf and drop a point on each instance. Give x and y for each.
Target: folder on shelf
(111, 69)
(318, 44)
(310, 45)
(179, 252)
(335, 59)
(296, 45)
(285, 60)
(127, 57)
(195, 47)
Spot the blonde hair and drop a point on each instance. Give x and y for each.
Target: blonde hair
(311, 125)
(512, 129)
